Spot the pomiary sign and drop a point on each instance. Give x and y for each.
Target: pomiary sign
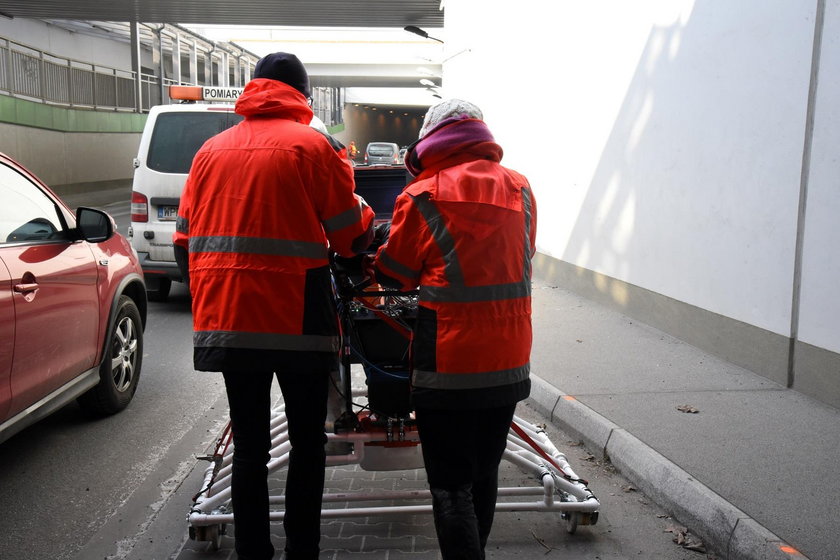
(221, 93)
(204, 93)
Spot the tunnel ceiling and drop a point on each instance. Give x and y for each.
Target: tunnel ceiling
(305, 13)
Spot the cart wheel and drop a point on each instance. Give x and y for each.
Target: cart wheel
(209, 533)
(214, 535)
(571, 518)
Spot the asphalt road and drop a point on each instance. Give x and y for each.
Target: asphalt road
(118, 488)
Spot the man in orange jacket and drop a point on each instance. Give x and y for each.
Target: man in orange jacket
(464, 233)
(264, 202)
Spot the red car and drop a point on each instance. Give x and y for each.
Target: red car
(72, 306)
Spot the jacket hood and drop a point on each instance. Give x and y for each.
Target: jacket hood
(266, 97)
(452, 141)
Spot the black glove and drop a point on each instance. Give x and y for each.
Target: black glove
(381, 234)
(368, 270)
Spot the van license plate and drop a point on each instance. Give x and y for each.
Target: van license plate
(167, 213)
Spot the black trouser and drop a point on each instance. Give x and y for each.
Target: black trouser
(305, 394)
(461, 452)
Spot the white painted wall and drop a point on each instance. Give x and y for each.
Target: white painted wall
(820, 302)
(58, 41)
(664, 142)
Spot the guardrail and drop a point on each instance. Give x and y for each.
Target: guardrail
(30, 73)
(37, 75)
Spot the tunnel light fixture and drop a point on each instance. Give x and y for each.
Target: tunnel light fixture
(426, 72)
(417, 31)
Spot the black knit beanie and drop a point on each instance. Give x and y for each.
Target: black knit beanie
(286, 68)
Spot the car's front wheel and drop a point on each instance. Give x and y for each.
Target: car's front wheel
(120, 369)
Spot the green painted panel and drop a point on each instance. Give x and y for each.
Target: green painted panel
(39, 115)
(24, 113)
(335, 129)
(7, 105)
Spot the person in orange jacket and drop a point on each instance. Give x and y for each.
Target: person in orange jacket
(463, 231)
(264, 203)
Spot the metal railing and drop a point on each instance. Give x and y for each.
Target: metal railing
(37, 75)
(29, 73)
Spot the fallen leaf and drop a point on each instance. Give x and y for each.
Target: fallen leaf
(696, 546)
(542, 542)
(684, 539)
(629, 489)
(687, 408)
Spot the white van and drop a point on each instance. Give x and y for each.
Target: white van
(171, 137)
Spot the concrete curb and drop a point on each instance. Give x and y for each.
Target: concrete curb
(722, 526)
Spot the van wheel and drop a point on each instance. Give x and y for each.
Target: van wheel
(120, 369)
(158, 290)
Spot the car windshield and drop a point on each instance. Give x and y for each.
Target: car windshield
(178, 136)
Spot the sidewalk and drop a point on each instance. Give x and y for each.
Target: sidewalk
(752, 471)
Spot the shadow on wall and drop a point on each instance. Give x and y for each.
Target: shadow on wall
(689, 198)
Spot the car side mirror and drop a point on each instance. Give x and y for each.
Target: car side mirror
(94, 226)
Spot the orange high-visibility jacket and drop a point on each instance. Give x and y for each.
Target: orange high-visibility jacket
(263, 204)
(464, 233)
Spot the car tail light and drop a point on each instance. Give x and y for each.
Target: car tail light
(139, 207)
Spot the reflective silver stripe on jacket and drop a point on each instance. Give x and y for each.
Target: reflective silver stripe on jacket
(457, 291)
(526, 203)
(470, 294)
(436, 380)
(258, 245)
(266, 341)
(398, 267)
(182, 225)
(346, 218)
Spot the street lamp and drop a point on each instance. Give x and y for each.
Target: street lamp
(417, 31)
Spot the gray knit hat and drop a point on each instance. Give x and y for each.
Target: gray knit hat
(446, 109)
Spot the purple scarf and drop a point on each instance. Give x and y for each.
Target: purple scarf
(451, 136)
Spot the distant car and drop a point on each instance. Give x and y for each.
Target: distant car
(382, 153)
(72, 306)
